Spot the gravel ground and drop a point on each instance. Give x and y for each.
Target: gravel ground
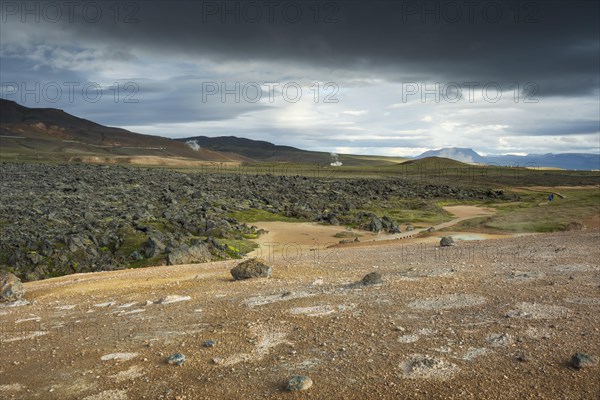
(498, 319)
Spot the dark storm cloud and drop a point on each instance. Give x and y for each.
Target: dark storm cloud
(562, 128)
(163, 110)
(171, 49)
(125, 102)
(554, 44)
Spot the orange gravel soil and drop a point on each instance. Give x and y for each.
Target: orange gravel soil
(493, 319)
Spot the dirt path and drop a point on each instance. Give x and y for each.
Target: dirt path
(467, 212)
(289, 238)
(464, 213)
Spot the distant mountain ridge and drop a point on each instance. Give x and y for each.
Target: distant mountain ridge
(52, 134)
(461, 154)
(572, 161)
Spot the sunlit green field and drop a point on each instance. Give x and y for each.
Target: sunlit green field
(534, 213)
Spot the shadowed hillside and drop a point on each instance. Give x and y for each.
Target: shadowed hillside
(48, 133)
(263, 151)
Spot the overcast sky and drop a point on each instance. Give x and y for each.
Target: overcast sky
(377, 77)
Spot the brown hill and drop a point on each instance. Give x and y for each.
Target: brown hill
(49, 133)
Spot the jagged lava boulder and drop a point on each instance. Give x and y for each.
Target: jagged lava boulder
(252, 268)
(197, 253)
(11, 288)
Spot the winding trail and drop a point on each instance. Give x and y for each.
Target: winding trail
(309, 236)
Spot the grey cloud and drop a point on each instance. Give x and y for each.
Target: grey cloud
(551, 42)
(373, 46)
(561, 127)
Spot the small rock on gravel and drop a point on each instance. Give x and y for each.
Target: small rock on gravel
(447, 241)
(252, 268)
(373, 278)
(582, 360)
(177, 359)
(299, 382)
(11, 288)
(210, 343)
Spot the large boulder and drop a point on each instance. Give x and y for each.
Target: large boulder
(447, 241)
(387, 222)
(252, 268)
(375, 225)
(184, 254)
(11, 288)
(153, 247)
